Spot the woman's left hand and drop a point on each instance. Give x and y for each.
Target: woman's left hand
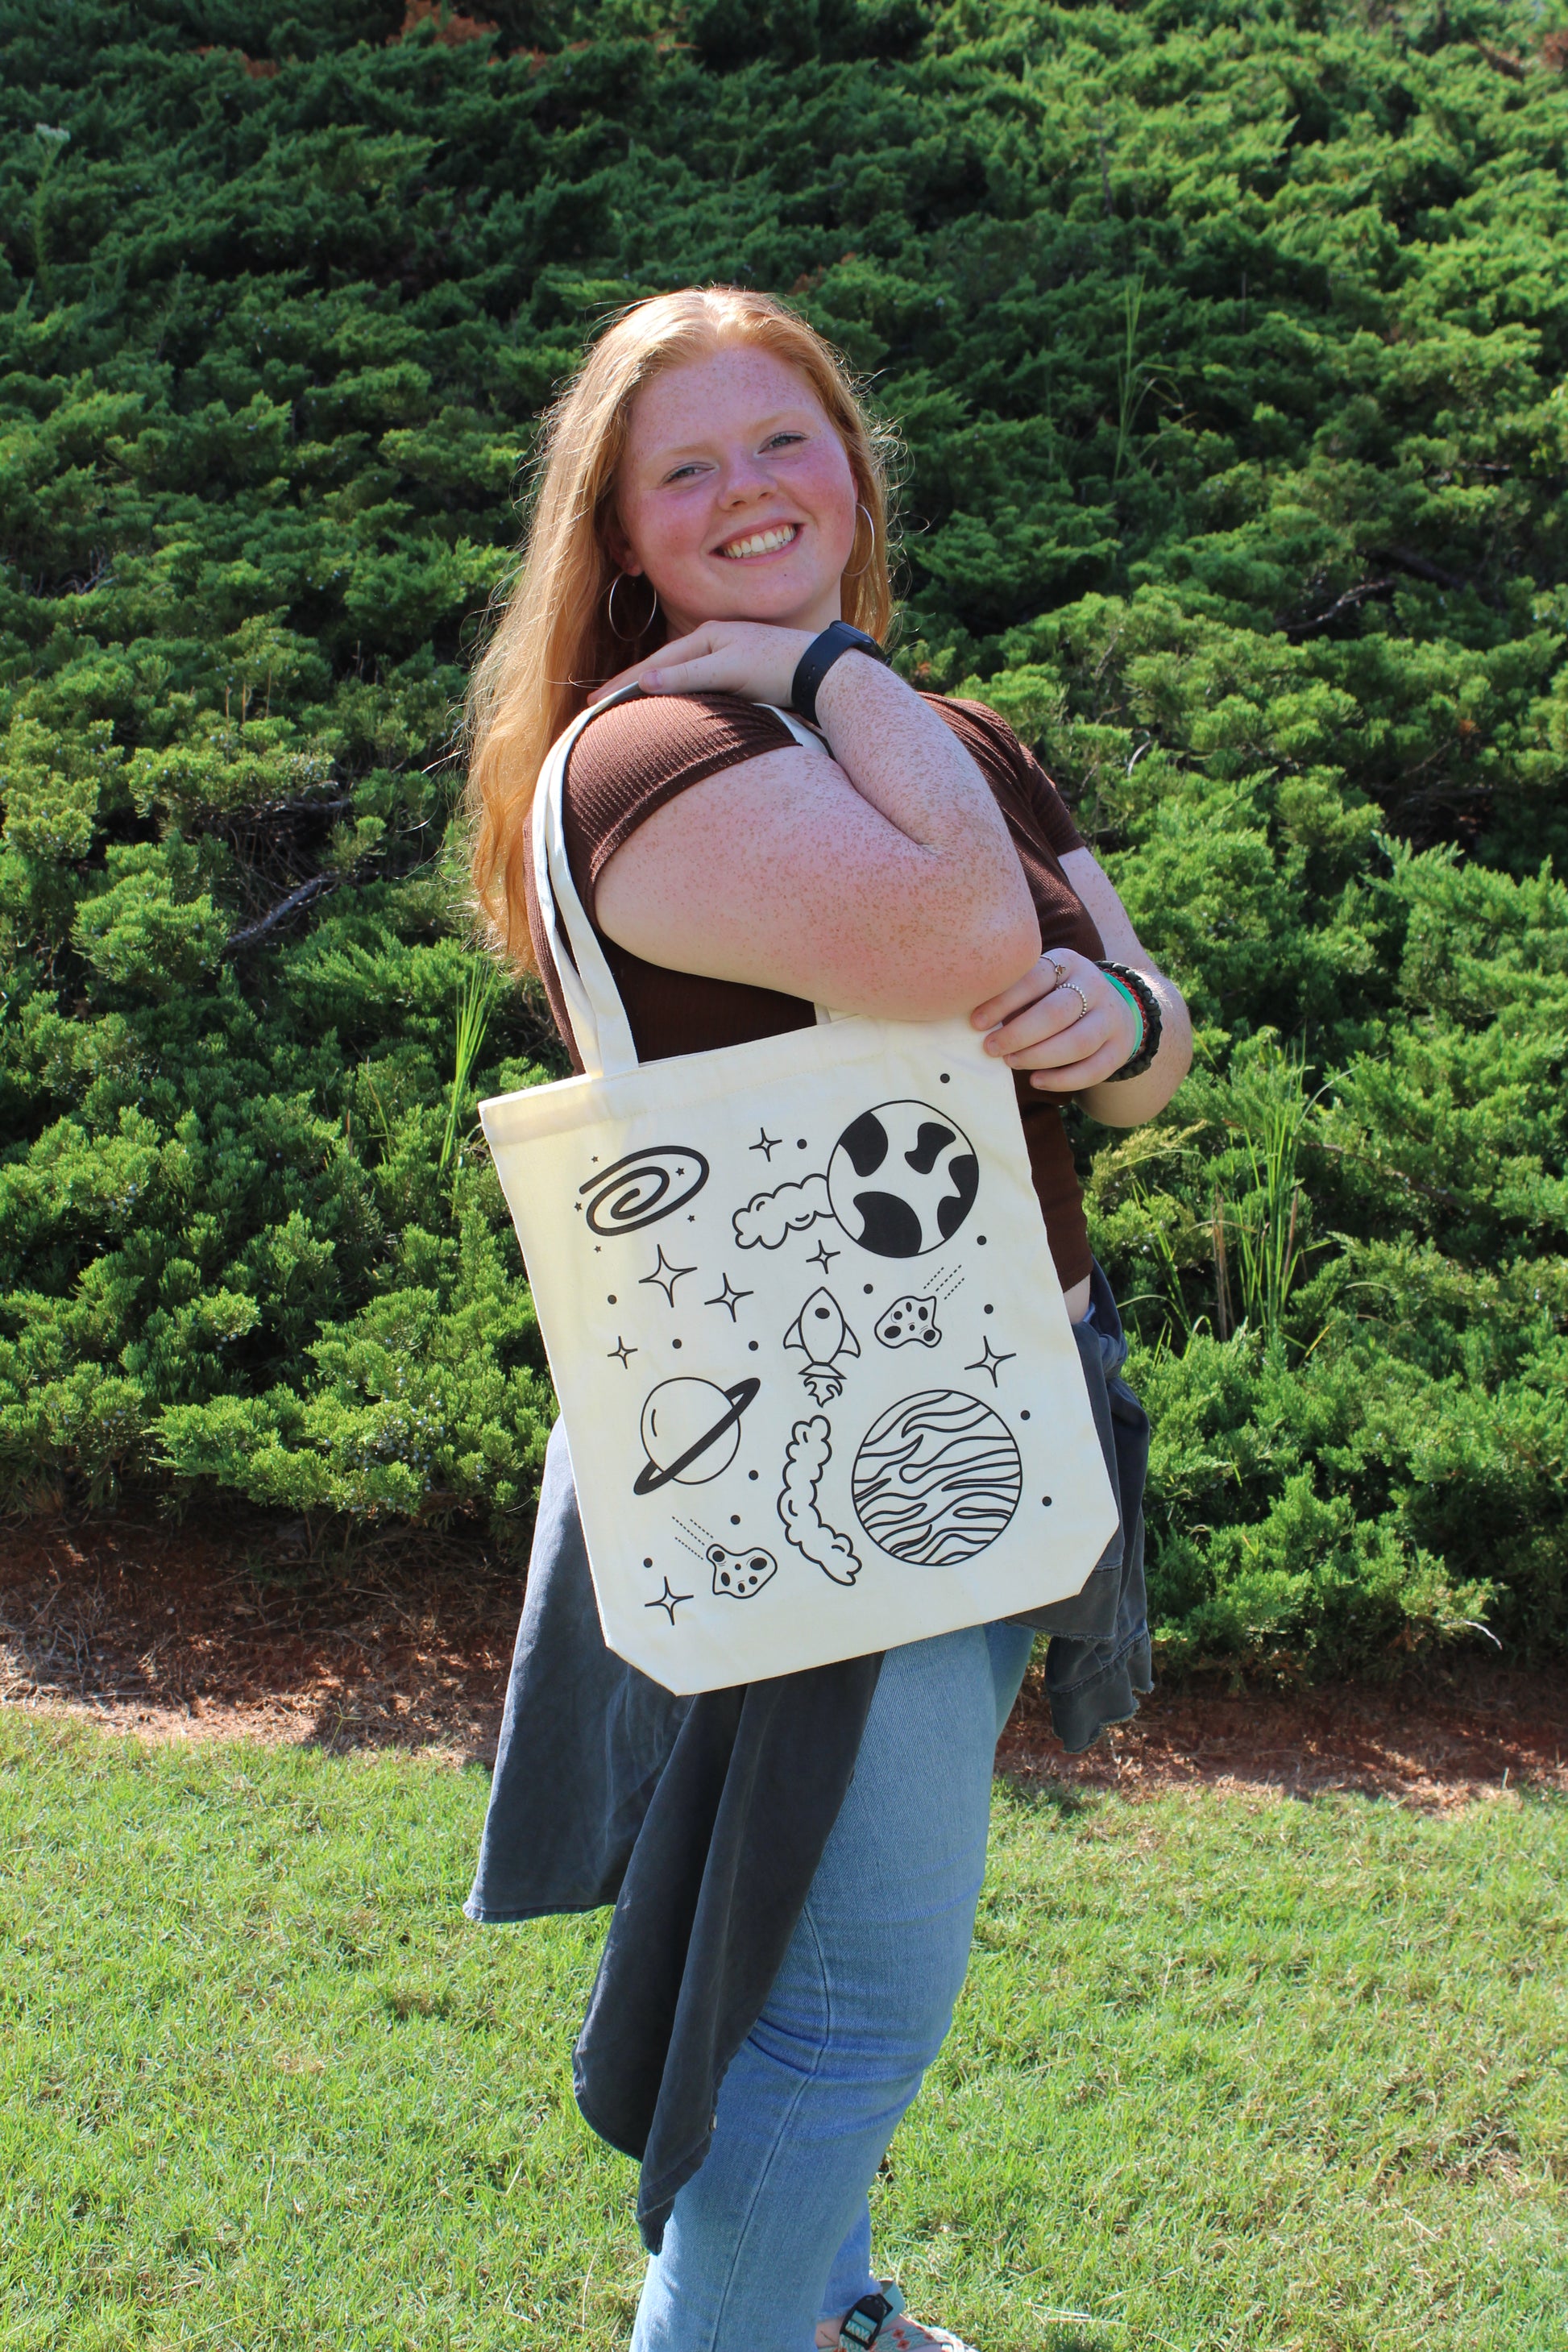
(746, 657)
(1064, 1022)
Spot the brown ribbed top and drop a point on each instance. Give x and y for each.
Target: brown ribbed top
(635, 758)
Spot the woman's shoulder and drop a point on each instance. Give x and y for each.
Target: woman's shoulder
(976, 722)
(665, 730)
(1012, 766)
(633, 756)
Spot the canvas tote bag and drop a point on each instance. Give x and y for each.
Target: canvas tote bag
(819, 1381)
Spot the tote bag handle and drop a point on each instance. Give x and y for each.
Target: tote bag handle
(602, 1033)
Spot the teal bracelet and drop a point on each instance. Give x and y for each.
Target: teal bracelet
(1122, 990)
(1138, 986)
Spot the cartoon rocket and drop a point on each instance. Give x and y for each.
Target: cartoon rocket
(822, 1334)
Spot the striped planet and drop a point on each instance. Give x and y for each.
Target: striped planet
(937, 1478)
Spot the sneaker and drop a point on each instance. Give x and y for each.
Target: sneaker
(906, 2334)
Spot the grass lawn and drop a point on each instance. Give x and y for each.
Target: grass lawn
(1225, 2074)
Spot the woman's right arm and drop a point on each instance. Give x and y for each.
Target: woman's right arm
(882, 880)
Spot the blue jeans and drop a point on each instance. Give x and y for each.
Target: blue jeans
(774, 2232)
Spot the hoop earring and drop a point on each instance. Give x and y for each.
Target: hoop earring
(867, 565)
(628, 637)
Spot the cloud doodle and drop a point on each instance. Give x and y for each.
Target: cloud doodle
(808, 1454)
(769, 1218)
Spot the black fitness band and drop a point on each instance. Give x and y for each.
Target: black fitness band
(819, 659)
(1137, 987)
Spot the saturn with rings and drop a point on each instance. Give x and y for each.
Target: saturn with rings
(691, 1430)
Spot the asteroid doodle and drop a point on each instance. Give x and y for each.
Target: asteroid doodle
(642, 1188)
(823, 1337)
(903, 1179)
(806, 1458)
(909, 1320)
(769, 1218)
(691, 1430)
(937, 1478)
(737, 1575)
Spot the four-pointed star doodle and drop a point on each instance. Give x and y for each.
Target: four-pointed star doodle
(621, 1350)
(822, 1256)
(988, 1360)
(727, 1298)
(766, 1144)
(665, 1276)
(668, 1600)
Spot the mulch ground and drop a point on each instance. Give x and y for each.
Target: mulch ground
(254, 1628)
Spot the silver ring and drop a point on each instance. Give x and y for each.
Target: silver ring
(1057, 973)
(1083, 999)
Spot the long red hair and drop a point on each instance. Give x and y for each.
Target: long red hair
(553, 641)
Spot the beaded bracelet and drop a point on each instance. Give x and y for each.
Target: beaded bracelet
(1135, 987)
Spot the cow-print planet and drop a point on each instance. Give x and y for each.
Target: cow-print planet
(903, 1179)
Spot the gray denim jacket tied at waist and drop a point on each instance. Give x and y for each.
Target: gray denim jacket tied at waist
(702, 1819)
(1098, 1657)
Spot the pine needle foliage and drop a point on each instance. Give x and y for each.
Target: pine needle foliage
(1230, 347)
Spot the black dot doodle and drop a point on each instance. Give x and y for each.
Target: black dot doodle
(991, 1310)
(1046, 1501)
(867, 1287)
(1024, 1414)
(674, 1343)
(753, 1346)
(751, 1474)
(945, 1080)
(800, 1143)
(979, 1241)
(734, 1519)
(647, 1563)
(611, 1299)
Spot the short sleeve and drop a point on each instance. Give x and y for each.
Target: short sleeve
(993, 744)
(1055, 818)
(639, 755)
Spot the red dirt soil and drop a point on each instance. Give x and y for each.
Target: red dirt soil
(245, 1629)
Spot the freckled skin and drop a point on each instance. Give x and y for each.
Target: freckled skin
(730, 445)
(882, 879)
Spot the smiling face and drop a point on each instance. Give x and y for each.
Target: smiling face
(735, 494)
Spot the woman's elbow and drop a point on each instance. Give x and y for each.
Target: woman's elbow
(1009, 948)
(992, 956)
(953, 975)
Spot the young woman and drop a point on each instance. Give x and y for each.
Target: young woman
(711, 501)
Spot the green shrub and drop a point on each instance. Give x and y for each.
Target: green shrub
(1232, 357)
